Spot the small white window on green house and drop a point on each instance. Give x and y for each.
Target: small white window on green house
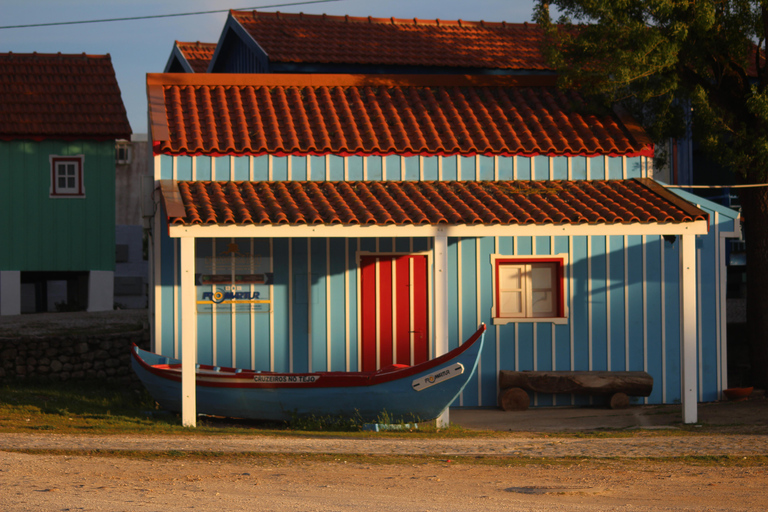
(67, 176)
(529, 289)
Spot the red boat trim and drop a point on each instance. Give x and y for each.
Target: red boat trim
(231, 378)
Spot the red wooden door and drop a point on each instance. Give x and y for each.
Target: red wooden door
(394, 314)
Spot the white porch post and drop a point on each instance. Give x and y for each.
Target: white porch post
(441, 304)
(188, 333)
(688, 362)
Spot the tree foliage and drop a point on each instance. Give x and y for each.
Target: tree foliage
(673, 62)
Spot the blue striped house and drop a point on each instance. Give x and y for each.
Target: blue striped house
(599, 281)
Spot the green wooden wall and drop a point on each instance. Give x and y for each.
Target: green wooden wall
(38, 232)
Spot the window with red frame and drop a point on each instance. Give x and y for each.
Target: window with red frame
(67, 176)
(529, 288)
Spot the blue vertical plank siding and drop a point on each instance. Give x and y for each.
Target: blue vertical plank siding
(242, 168)
(635, 285)
(260, 167)
(184, 168)
(318, 318)
(622, 292)
(260, 320)
(599, 304)
(615, 169)
(560, 168)
(597, 168)
(468, 304)
(487, 375)
(223, 171)
(302, 298)
(467, 166)
(579, 310)
(617, 302)
(412, 169)
(355, 168)
(486, 168)
(670, 385)
(523, 168)
(280, 305)
(505, 168)
(204, 170)
(317, 168)
(429, 166)
(336, 169)
(654, 314)
(298, 168)
(375, 168)
(708, 324)
(450, 168)
(279, 168)
(540, 168)
(578, 168)
(337, 314)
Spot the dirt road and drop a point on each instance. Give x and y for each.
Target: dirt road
(64, 472)
(95, 483)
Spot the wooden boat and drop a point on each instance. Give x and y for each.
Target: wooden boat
(398, 392)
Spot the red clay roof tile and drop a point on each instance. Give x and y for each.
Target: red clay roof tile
(428, 202)
(311, 38)
(60, 96)
(198, 54)
(378, 114)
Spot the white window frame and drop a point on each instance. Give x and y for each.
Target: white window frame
(559, 288)
(77, 189)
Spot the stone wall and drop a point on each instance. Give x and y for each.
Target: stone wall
(64, 358)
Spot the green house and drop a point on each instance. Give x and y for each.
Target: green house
(60, 116)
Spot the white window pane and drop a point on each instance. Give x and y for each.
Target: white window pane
(543, 303)
(511, 277)
(542, 276)
(70, 169)
(511, 304)
(70, 182)
(62, 182)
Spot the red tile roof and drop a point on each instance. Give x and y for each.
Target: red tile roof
(390, 41)
(60, 96)
(198, 54)
(378, 114)
(424, 202)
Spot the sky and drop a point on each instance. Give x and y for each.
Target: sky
(143, 46)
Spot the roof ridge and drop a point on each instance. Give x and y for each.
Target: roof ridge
(59, 54)
(384, 21)
(348, 80)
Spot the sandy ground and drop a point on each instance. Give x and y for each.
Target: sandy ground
(45, 482)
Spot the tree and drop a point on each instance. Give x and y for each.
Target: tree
(672, 62)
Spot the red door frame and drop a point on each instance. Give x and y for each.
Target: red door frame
(394, 316)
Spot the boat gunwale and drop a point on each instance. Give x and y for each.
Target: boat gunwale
(227, 376)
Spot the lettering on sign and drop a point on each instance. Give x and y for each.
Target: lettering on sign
(285, 379)
(438, 376)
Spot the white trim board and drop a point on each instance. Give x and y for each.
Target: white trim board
(698, 227)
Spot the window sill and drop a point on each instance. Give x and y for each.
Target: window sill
(539, 320)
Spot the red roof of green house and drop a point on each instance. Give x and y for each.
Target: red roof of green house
(391, 41)
(46, 96)
(424, 202)
(197, 54)
(379, 114)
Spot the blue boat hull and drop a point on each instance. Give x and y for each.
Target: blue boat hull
(414, 393)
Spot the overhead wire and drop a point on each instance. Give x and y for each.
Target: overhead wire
(147, 17)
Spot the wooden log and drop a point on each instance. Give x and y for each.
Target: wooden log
(514, 399)
(619, 401)
(581, 383)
